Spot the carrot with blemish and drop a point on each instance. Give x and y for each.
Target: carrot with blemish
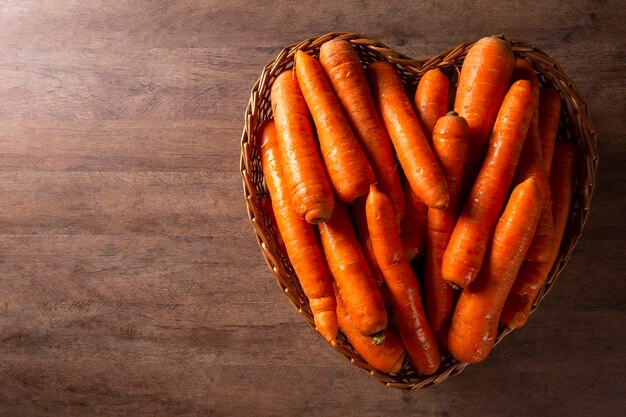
(474, 324)
(348, 168)
(418, 339)
(407, 136)
(483, 82)
(450, 143)
(353, 277)
(414, 224)
(464, 254)
(533, 275)
(431, 99)
(308, 184)
(299, 238)
(344, 70)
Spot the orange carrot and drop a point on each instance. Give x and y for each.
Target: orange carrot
(531, 165)
(407, 136)
(414, 224)
(549, 115)
(266, 205)
(474, 324)
(360, 224)
(450, 143)
(308, 184)
(353, 277)
(342, 65)
(417, 337)
(431, 99)
(532, 276)
(386, 357)
(463, 257)
(348, 168)
(300, 239)
(483, 82)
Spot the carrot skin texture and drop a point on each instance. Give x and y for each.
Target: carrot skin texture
(352, 274)
(386, 357)
(483, 82)
(348, 168)
(533, 275)
(464, 254)
(310, 189)
(360, 223)
(300, 239)
(431, 99)
(549, 116)
(268, 209)
(418, 339)
(474, 324)
(407, 136)
(343, 67)
(450, 143)
(414, 224)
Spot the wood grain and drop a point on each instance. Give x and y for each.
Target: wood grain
(130, 279)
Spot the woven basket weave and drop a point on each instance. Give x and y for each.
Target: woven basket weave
(575, 127)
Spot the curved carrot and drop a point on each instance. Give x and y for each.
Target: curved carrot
(464, 255)
(531, 165)
(360, 224)
(415, 332)
(483, 82)
(532, 276)
(300, 240)
(549, 116)
(407, 136)
(266, 205)
(311, 193)
(431, 99)
(474, 324)
(344, 70)
(414, 224)
(450, 142)
(353, 277)
(348, 168)
(386, 357)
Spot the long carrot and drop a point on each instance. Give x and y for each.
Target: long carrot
(353, 277)
(268, 209)
(464, 255)
(549, 115)
(299, 238)
(311, 193)
(531, 165)
(483, 83)
(360, 223)
(386, 357)
(344, 70)
(414, 224)
(415, 332)
(450, 142)
(475, 322)
(431, 99)
(532, 276)
(348, 168)
(407, 136)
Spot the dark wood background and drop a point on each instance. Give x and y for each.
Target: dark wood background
(130, 279)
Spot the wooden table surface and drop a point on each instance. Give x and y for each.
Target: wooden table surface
(130, 279)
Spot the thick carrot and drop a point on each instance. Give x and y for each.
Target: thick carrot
(348, 168)
(387, 356)
(549, 116)
(344, 70)
(474, 324)
(415, 332)
(360, 223)
(311, 193)
(450, 143)
(431, 99)
(407, 136)
(353, 277)
(532, 276)
(531, 165)
(465, 252)
(414, 224)
(299, 238)
(483, 82)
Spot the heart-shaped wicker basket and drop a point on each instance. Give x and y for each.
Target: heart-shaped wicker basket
(575, 127)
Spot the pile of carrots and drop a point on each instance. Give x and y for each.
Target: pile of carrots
(415, 229)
